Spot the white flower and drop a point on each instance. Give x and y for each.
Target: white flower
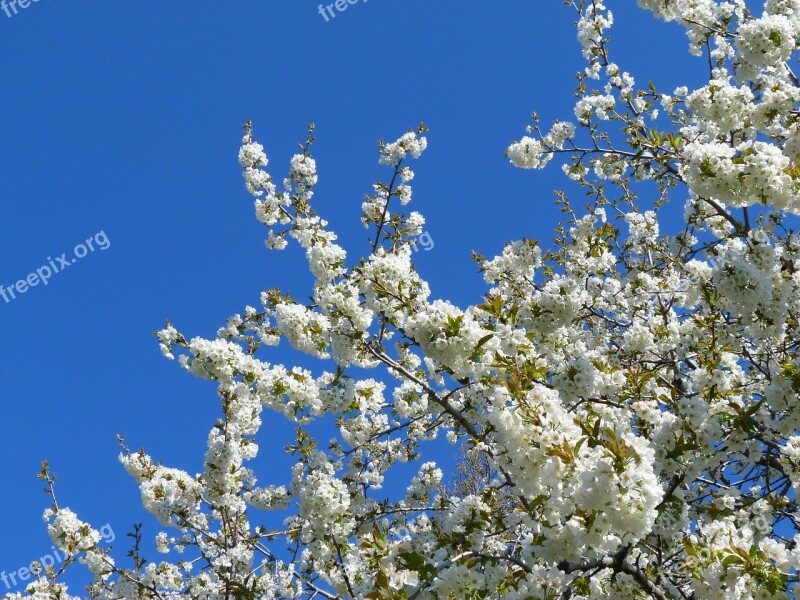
(527, 153)
(251, 155)
(767, 41)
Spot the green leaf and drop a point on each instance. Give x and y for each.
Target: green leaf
(483, 340)
(732, 559)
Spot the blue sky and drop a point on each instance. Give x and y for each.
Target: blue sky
(125, 119)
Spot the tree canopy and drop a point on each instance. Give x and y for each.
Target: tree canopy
(627, 397)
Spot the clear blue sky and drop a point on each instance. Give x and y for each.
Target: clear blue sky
(124, 117)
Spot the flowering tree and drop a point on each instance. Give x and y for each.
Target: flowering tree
(629, 397)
